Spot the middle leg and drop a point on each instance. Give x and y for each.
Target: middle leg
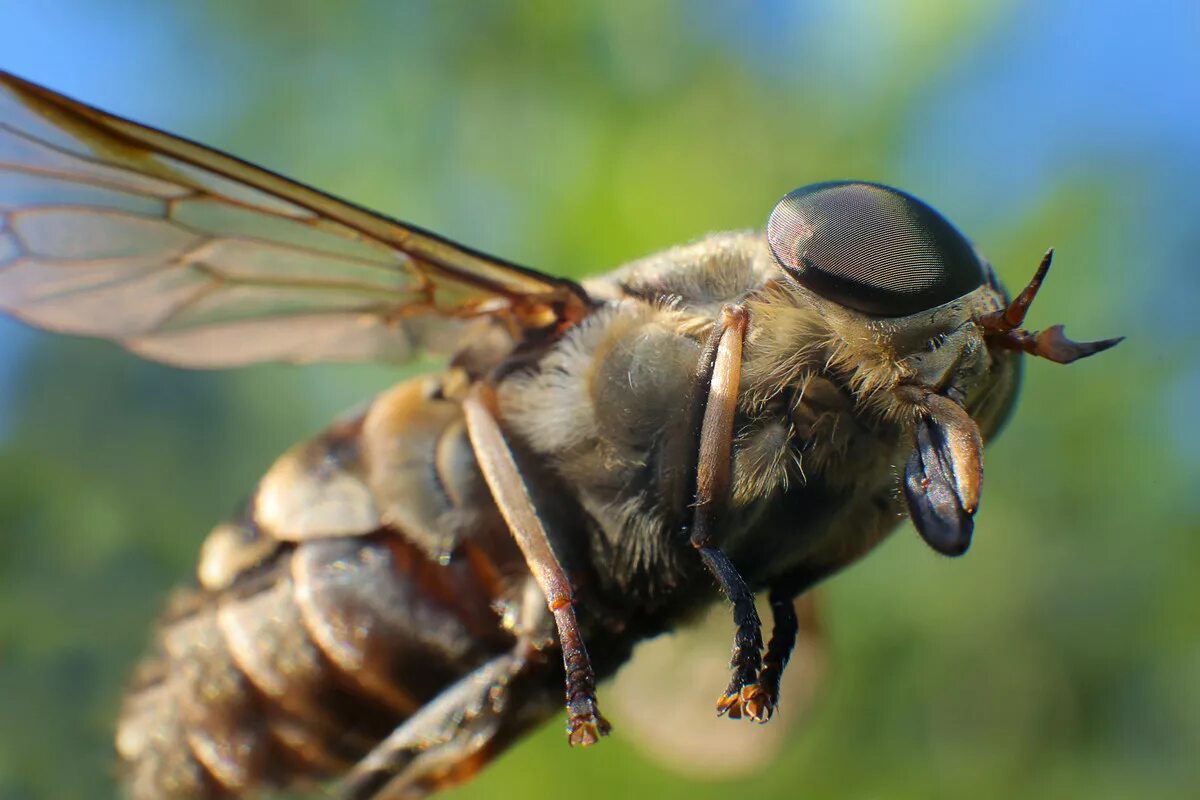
(585, 724)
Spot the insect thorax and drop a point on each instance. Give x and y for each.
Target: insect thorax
(610, 409)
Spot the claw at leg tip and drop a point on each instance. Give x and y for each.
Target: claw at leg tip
(757, 705)
(586, 732)
(729, 705)
(751, 703)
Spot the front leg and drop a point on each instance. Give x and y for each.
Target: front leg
(762, 698)
(720, 371)
(585, 725)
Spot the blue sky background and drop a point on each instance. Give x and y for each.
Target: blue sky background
(1058, 659)
(1046, 89)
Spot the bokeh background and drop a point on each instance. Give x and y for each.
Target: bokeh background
(1059, 658)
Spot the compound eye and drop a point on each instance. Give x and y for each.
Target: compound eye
(872, 248)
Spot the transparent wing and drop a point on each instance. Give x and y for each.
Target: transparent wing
(186, 255)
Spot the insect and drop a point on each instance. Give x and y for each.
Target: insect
(407, 594)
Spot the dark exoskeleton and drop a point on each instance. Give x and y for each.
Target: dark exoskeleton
(401, 597)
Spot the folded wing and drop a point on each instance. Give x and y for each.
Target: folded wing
(192, 257)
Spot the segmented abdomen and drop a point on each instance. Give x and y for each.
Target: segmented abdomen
(369, 573)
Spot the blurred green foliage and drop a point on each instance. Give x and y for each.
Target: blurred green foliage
(1060, 658)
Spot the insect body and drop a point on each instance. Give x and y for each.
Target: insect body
(595, 464)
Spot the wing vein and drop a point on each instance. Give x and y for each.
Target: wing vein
(72, 155)
(110, 212)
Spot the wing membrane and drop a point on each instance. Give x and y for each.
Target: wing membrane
(190, 256)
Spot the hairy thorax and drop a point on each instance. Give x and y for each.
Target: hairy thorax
(610, 409)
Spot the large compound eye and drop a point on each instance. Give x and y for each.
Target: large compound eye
(872, 248)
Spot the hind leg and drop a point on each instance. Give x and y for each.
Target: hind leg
(457, 734)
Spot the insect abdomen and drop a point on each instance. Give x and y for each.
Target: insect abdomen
(294, 658)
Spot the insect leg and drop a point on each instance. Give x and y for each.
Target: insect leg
(762, 698)
(790, 601)
(747, 638)
(585, 725)
(448, 740)
(720, 368)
